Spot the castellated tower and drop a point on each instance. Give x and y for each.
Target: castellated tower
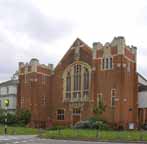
(34, 91)
(115, 81)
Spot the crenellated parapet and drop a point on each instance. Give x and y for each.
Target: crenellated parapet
(116, 47)
(34, 66)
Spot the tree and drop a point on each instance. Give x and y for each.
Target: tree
(99, 109)
(23, 116)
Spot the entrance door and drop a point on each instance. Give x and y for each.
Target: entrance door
(76, 116)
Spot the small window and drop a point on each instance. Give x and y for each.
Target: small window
(110, 64)
(113, 101)
(60, 114)
(43, 100)
(103, 63)
(107, 63)
(100, 98)
(113, 97)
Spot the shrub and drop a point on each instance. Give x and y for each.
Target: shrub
(92, 124)
(23, 117)
(82, 125)
(101, 125)
(11, 118)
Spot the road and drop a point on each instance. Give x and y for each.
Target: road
(36, 140)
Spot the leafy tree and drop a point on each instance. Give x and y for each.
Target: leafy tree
(99, 109)
(23, 116)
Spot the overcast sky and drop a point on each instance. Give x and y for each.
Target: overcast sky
(45, 29)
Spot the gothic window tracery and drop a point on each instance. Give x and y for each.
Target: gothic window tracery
(77, 82)
(68, 86)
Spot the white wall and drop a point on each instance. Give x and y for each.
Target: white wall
(8, 90)
(12, 90)
(3, 90)
(12, 102)
(142, 99)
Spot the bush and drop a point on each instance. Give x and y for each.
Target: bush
(102, 125)
(82, 125)
(92, 124)
(11, 118)
(23, 117)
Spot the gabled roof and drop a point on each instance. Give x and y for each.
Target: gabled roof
(9, 82)
(77, 42)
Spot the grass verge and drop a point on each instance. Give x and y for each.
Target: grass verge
(19, 131)
(95, 135)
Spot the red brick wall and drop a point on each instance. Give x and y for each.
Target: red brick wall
(102, 81)
(125, 84)
(33, 90)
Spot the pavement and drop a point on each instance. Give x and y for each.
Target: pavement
(33, 139)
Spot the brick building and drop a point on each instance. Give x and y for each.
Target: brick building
(142, 100)
(69, 92)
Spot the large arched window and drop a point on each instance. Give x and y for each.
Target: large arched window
(76, 82)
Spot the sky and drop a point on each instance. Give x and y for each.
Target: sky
(45, 29)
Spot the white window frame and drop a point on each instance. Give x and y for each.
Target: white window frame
(60, 115)
(99, 96)
(105, 65)
(113, 96)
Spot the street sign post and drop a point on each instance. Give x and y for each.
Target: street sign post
(6, 102)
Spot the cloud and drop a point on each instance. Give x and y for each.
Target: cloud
(45, 28)
(25, 32)
(23, 17)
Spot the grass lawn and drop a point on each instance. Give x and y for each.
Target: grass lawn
(92, 135)
(83, 134)
(19, 130)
